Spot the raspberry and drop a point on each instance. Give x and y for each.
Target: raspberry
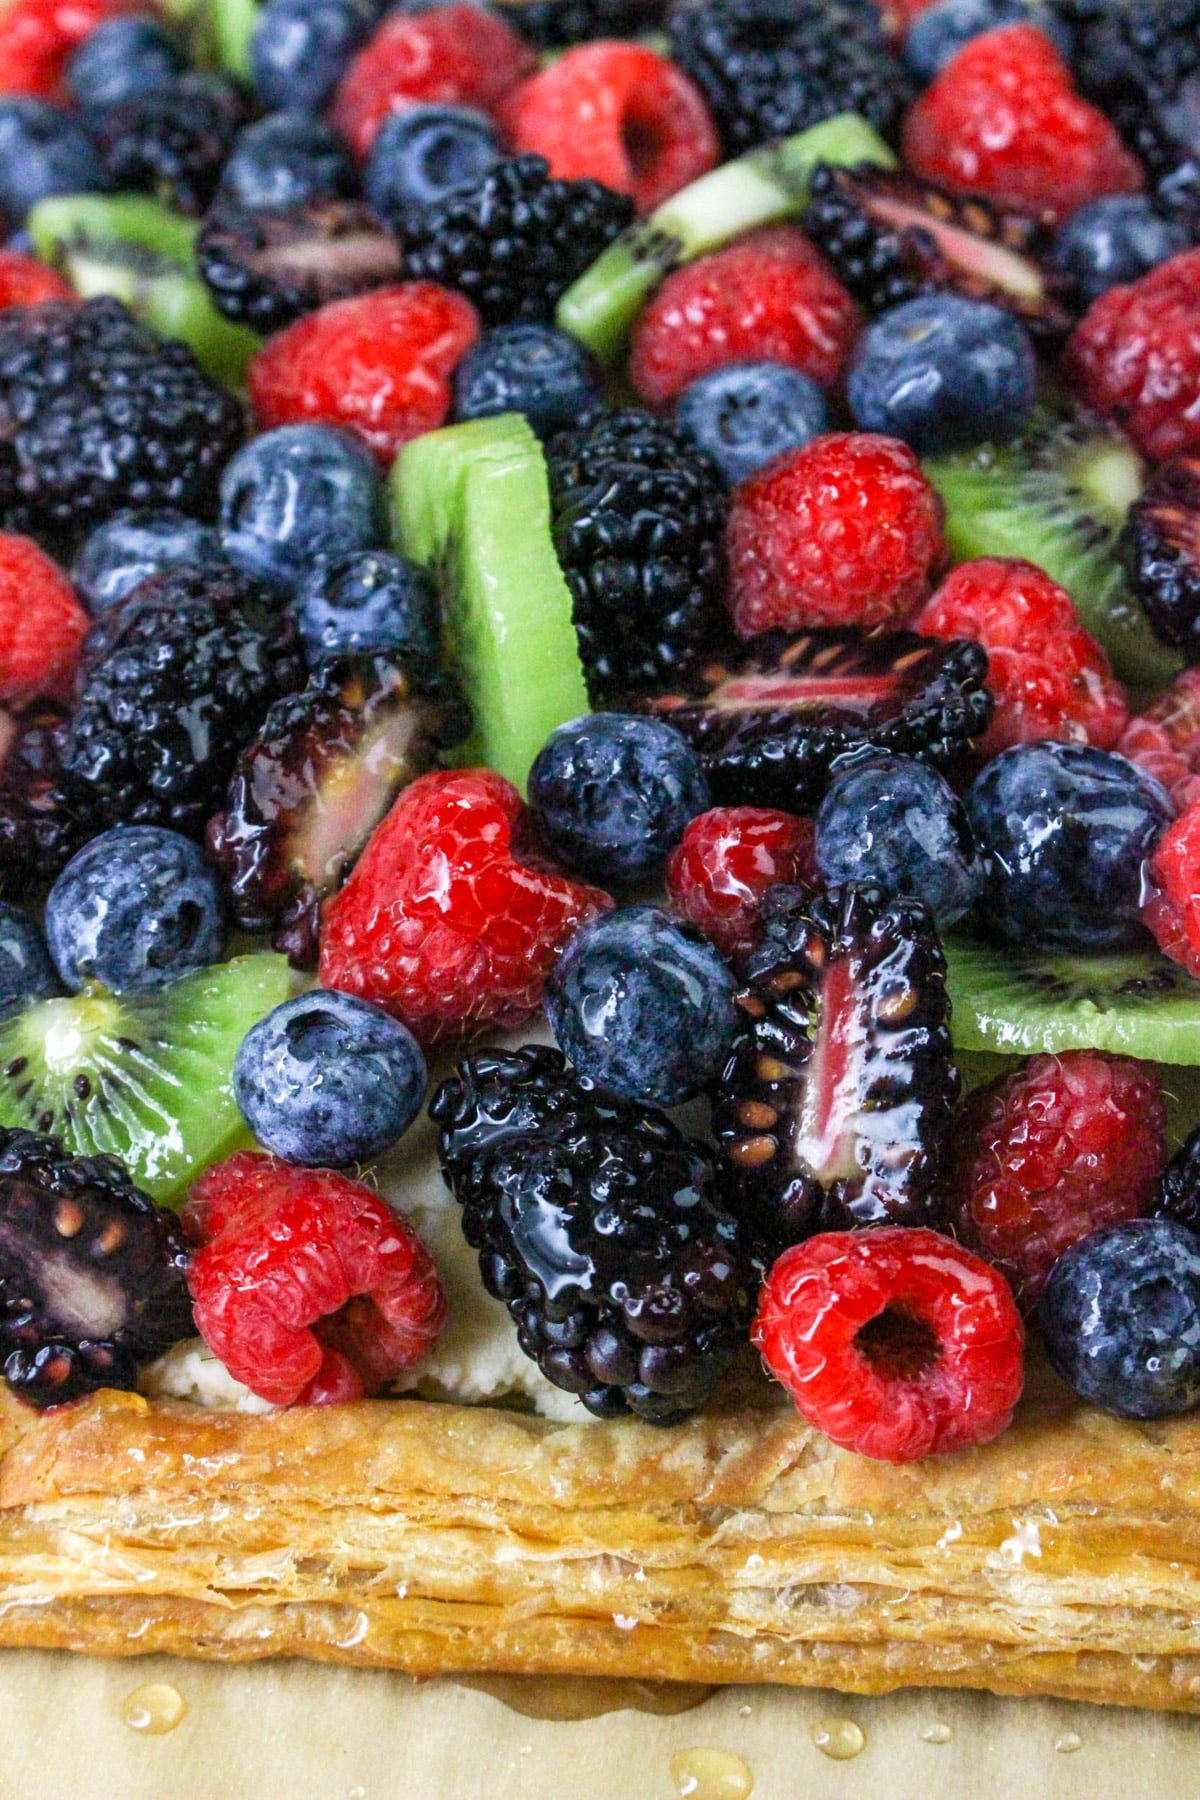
(842, 532)
(42, 625)
(38, 36)
(769, 297)
(897, 1343)
(1165, 739)
(25, 282)
(457, 55)
(306, 1284)
(379, 365)
(724, 864)
(1048, 677)
(1135, 357)
(1171, 906)
(1003, 120)
(442, 922)
(1067, 1144)
(616, 113)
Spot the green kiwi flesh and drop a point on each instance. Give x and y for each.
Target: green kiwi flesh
(147, 1078)
(220, 33)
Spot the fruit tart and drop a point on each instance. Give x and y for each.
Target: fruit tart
(600, 838)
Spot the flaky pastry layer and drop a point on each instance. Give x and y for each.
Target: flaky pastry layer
(1064, 1559)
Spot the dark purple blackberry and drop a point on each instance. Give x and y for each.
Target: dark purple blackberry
(517, 241)
(892, 238)
(171, 140)
(768, 68)
(834, 1108)
(1177, 1195)
(638, 517)
(38, 834)
(91, 1272)
(770, 720)
(554, 24)
(1160, 548)
(598, 1224)
(97, 414)
(174, 680)
(265, 268)
(309, 791)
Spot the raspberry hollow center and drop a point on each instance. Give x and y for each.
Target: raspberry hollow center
(898, 1345)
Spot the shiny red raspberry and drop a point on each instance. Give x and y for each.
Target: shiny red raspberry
(306, 1284)
(1171, 906)
(459, 55)
(1135, 357)
(897, 1343)
(379, 365)
(1048, 677)
(38, 36)
(724, 864)
(1165, 739)
(1045, 1156)
(769, 296)
(617, 113)
(444, 922)
(845, 531)
(1002, 119)
(42, 624)
(25, 282)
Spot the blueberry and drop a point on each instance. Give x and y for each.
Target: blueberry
(124, 58)
(1120, 1318)
(296, 494)
(136, 908)
(301, 48)
(329, 1080)
(611, 795)
(369, 600)
(940, 33)
(745, 414)
(643, 1006)
(943, 373)
(287, 159)
(42, 152)
(1113, 240)
(137, 543)
(893, 823)
(530, 369)
(26, 972)
(424, 153)
(1064, 832)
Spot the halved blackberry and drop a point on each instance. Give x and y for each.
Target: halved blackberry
(891, 237)
(266, 268)
(38, 833)
(172, 140)
(638, 519)
(769, 720)
(1177, 1195)
(309, 791)
(834, 1108)
(599, 1226)
(554, 24)
(91, 1272)
(1160, 548)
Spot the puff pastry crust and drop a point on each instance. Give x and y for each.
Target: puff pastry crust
(1064, 1559)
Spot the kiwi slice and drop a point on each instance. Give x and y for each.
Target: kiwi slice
(221, 31)
(761, 188)
(472, 504)
(1059, 496)
(145, 1077)
(137, 249)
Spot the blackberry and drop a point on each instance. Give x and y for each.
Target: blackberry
(1160, 548)
(598, 1225)
(172, 682)
(172, 140)
(638, 518)
(323, 770)
(1177, 1195)
(515, 242)
(834, 1108)
(768, 68)
(265, 268)
(554, 24)
(97, 414)
(38, 832)
(91, 1272)
(770, 721)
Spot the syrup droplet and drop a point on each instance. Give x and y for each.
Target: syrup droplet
(841, 1739)
(703, 1773)
(153, 1709)
(569, 1697)
(745, 1710)
(1069, 1742)
(937, 1733)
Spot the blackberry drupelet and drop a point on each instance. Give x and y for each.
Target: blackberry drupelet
(97, 414)
(1160, 547)
(598, 1225)
(555, 24)
(38, 833)
(173, 681)
(172, 140)
(1177, 1195)
(834, 1108)
(768, 68)
(265, 268)
(638, 517)
(514, 243)
(91, 1272)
